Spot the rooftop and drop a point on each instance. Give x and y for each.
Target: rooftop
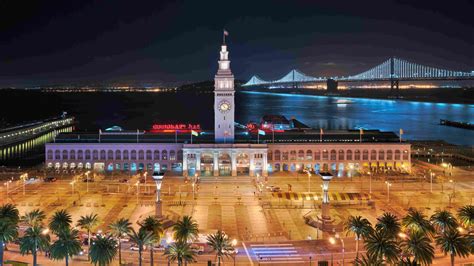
(306, 136)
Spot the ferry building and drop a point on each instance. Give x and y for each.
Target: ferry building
(276, 144)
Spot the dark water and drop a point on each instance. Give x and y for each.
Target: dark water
(141, 110)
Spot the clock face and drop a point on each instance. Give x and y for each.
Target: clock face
(224, 106)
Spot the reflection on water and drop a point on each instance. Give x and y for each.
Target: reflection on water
(30, 151)
(419, 120)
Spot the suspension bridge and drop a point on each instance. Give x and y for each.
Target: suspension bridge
(392, 70)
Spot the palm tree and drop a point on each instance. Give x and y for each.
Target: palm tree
(60, 221)
(103, 250)
(67, 245)
(34, 217)
(118, 229)
(416, 221)
(153, 225)
(181, 252)
(34, 240)
(380, 245)
(9, 217)
(452, 242)
(185, 229)
(389, 224)
(418, 245)
(444, 220)
(466, 216)
(361, 227)
(88, 222)
(220, 243)
(367, 260)
(141, 239)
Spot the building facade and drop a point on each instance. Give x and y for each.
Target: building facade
(223, 152)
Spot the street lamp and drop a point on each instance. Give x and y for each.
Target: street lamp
(234, 243)
(24, 177)
(308, 171)
(138, 189)
(332, 240)
(72, 184)
(87, 181)
(8, 185)
(454, 184)
(370, 183)
(431, 181)
(388, 190)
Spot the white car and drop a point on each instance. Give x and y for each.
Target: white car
(135, 248)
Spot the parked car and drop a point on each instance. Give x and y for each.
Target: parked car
(135, 247)
(88, 179)
(158, 248)
(273, 189)
(124, 180)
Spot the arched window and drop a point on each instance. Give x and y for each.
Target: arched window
(397, 155)
(292, 155)
(285, 156)
(349, 155)
(333, 155)
(156, 155)
(164, 155)
(381, 155)
(118, 155)
(309, 155)
(389, 155)
(72, 155)
(80, 155)
(340, 155)
(405, 155)
(125, 155)
(317, 155)
(180, 155)
(301, 155)
(65, 155)
(50, 154)
(133, 155)
(357, 155)
(373, 155)
(141, 155)
(88, 154)
(95, 155)
(110, 155)
(270, 155)
(325, 155)
(277, 155)
(148, 155)
(365, 155)
(172, 155)
(57, 155)
(102, 154)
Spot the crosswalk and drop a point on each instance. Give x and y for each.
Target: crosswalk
(276, 253)
(336, 196)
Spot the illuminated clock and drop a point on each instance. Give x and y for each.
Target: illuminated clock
(224, 106)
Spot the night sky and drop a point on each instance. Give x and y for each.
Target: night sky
(158, 42)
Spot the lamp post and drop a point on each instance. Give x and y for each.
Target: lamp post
(370, 183)
(138, 189)
(87, 181)
(454, 185)
(72, 184)
(297, 171)
(431, 181)
(308, 171)
(23, 178)
(388, 190)
(234, 243)
(332, 240)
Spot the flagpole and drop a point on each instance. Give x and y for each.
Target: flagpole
(273, 133)
(176, 136)
(223, 36)
(191, 137)
(258, 137)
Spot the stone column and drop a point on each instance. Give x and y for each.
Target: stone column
(251, 164)
(216, 163)
(185, 164)
(234, 163)
(264, 165)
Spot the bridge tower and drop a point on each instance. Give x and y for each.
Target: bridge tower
(394, 81)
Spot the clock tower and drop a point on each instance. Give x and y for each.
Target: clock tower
(224, 100)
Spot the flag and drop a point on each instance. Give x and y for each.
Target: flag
(361, 131)
(194, 133)
(321, 131)
(261, 132)
(401, 131)
(226, 33)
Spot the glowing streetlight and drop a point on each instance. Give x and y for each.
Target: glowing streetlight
(332, 241)
(72, 185)
(138, 189)
(388, 190)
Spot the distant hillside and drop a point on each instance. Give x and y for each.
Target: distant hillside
(205, 86)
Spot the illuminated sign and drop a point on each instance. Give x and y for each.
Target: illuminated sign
(175, 127)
